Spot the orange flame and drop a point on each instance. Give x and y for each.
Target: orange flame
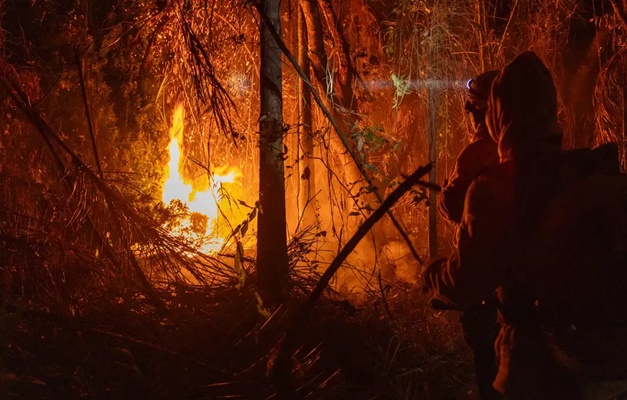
(199, 195)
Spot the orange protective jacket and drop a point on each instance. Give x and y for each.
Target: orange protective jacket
(477, 156)
(548, 233)
(501, 212)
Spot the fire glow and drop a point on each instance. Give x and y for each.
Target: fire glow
(201, 195)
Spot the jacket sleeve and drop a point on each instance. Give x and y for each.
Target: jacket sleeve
(467, 167)
(475, 269)
(451, 199)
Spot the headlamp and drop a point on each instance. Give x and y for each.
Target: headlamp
(473, 91)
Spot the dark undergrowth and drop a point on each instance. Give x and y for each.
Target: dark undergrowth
(80, 323)
(212, 344)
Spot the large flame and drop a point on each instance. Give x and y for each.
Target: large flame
(201, 195)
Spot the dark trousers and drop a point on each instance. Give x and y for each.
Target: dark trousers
(480, 327)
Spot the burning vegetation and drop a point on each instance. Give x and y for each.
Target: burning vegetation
(216, 199)
(212, 203)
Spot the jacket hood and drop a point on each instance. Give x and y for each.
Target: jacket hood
(522, 108)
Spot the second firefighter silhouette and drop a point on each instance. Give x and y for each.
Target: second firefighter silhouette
(479, 322)
(479, 154)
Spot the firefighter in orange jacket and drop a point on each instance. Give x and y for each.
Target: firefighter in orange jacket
(502, 209)
(479, 154)
(479, 322)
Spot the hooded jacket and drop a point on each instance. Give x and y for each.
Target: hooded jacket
(502, 209)
(490, 230)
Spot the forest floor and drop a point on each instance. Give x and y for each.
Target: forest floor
(214, 344)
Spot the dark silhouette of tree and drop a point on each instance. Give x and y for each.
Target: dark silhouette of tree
(305, 122)
(272, 260)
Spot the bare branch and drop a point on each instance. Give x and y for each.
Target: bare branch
(208, 88)
(90, 122)
(620, 13)
(21, 101)
(300, 318)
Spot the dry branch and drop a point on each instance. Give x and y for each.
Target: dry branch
(208, 87)
(90, 121)
(343, 139)
(299, 320)
(21, 101)
(171, 253)
(620, 13)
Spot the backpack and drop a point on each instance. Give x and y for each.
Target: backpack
(578, 264)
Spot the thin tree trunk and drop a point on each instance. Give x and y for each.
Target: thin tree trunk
(272, 261)
(622, 149)
(580, 96)
(307, 183)
(345, 67)
(433, 108)
(481, 31)
(334, 99)
(315, 40)
(433, 101)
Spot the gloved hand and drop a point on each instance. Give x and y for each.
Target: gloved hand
(429, 270)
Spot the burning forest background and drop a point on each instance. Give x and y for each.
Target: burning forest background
(138, 256)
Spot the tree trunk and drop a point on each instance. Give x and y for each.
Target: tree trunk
(345, 68)
(334, 99)
(305, 123)
(621, 131)
(272, 261)
(481, 24)
(580, 97)
(433, 101)
(315, 43)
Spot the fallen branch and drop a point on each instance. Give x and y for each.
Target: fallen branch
(299, 320)
(343, 139)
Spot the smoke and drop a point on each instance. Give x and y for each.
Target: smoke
(405, 266)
